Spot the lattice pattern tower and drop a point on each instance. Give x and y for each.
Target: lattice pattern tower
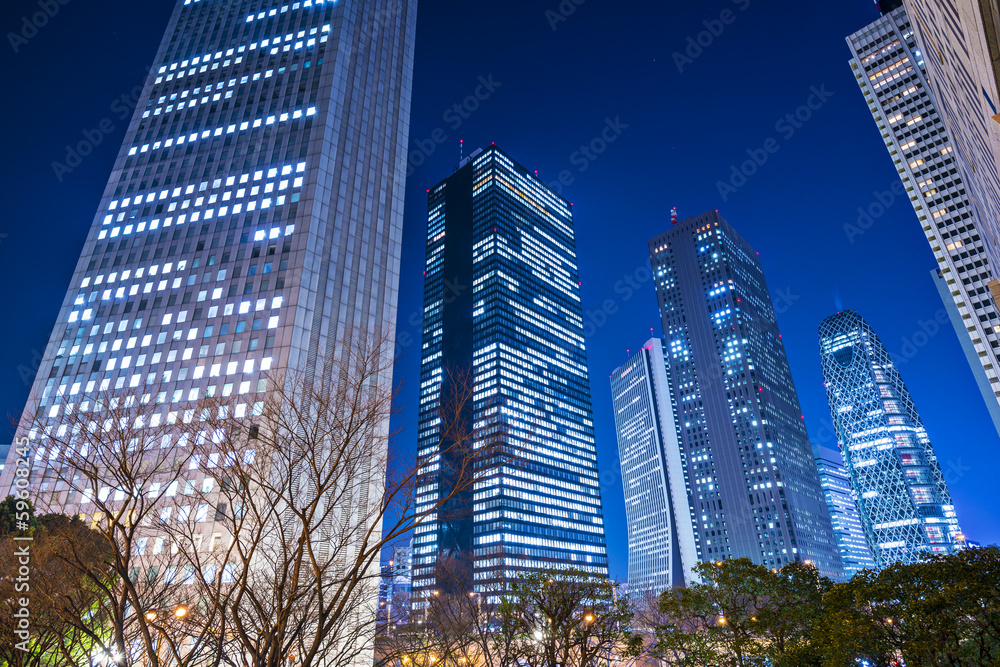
(902, 496)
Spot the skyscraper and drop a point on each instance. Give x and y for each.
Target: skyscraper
(502, 298)
(661, 543)
(891, 73)
(251, 221)
(958, 40)
(854, 551)
(977, 363)
(902, 497)
(754, 487)
(394, 589)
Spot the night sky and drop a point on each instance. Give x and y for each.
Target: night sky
(557, 77)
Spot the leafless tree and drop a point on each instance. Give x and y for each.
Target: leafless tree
(117, 458)
(307, 497)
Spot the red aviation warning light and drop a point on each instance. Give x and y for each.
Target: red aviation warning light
(673, 215)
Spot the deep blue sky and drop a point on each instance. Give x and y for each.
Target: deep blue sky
(557, 89)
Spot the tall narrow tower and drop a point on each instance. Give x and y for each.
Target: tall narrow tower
(754, 487)
(661, 545)
(851, 540)
(502, 299)
(902, 497)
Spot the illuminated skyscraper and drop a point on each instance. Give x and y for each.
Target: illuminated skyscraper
(502, 297)
(902, 497)
(252, 219)
(661, 542)
(754, 487)
(851, 540)
(892, 75)
(960, 45)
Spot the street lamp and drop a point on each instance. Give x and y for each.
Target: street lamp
(181, 611)
(151, 616)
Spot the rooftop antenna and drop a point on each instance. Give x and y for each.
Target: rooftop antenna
(673, 215)
(461, 151)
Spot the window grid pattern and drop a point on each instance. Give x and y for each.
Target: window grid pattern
(529, 366)
(755, 490)
(902, 496)
(892, 74)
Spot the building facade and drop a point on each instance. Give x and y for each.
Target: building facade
(754, 487)
(394, 589)
(661, 543)
(854, 551)
(972, 354)
(502, 300)
(958, 41)
(891, 72)
(251, 222)
(902, 496)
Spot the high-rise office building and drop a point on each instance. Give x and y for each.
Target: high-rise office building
(502, 299)
(854, 551)
(754, 487)
(661, 543)
(252, 219)
(902, 497)
(394, 589)
(972, 351)
(959, 44)
(892, 75)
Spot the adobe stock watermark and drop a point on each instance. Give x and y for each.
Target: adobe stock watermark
(826, 436)
(381, 21)
(787, 126)
(452, 288)
(696, 44)
(626, 288)
(32, 23)
(562, 12)
(454, 116)
(22, 545)
(121, 109)
(867, 215)
(783, 300)
(587, 153)
(27, 373)
(911, 345)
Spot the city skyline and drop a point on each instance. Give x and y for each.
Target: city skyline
(621, 198)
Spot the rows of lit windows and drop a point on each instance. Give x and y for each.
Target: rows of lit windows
(178, 101)
(230, 129)
(179, 69)
(294, 6)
